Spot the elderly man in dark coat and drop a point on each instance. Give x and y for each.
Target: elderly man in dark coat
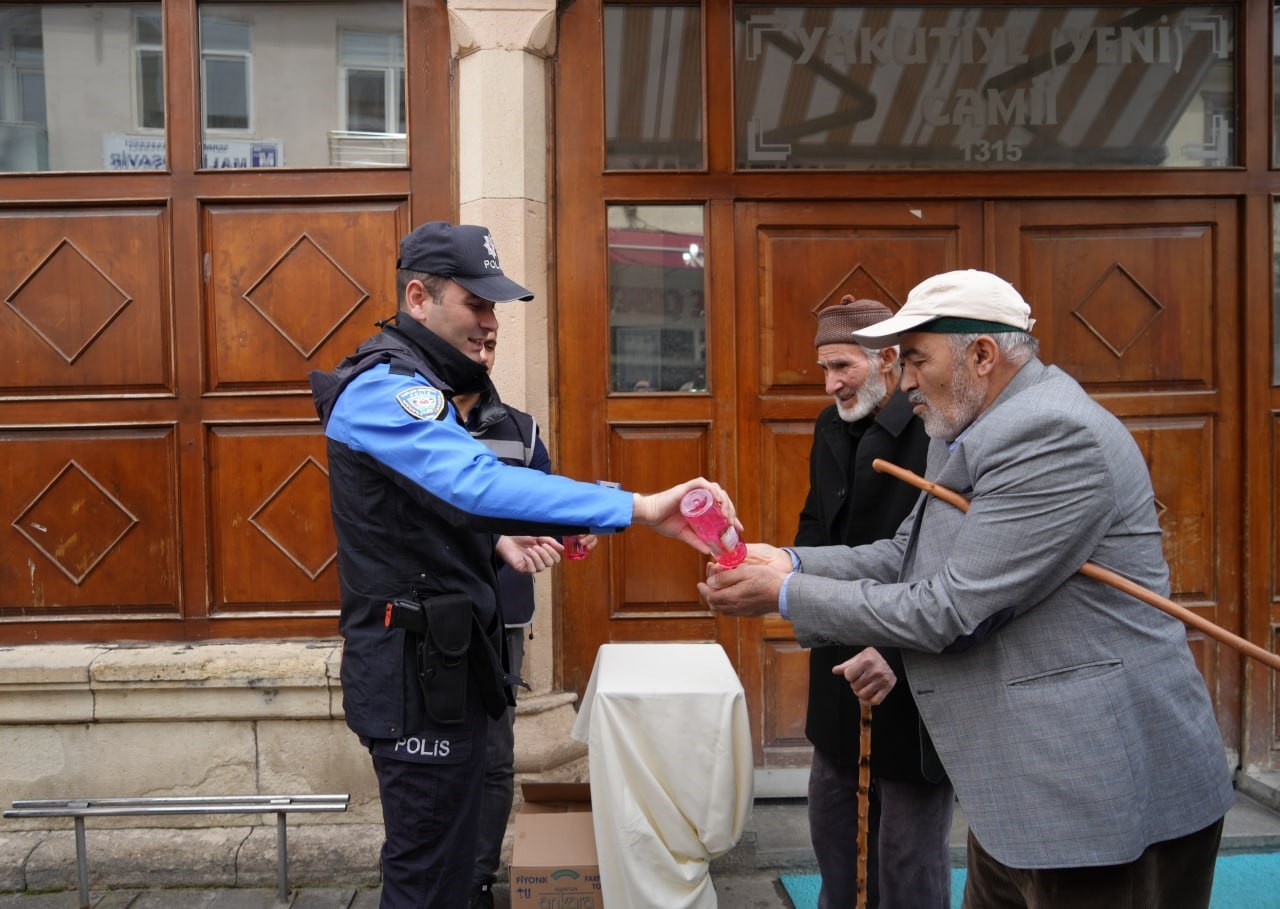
(850, 504)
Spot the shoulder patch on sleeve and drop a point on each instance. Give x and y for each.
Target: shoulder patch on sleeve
(422, 402)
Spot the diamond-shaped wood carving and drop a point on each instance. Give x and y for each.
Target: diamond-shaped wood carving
(861, 284)
(295, 518)
(75, 522)
(305, 271)
(1118, 309)
(68, 300)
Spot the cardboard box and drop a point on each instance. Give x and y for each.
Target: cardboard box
(553, 861)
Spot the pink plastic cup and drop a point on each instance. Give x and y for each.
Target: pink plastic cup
(573, 548)
(707, 520)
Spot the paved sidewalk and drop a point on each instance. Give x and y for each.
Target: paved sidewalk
(734, 891)
(776, 841)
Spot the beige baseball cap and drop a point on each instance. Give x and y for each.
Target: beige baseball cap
(955, 302)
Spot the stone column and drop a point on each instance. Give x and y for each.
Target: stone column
(503, 49)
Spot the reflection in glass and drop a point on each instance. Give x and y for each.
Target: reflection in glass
(148, 45)
(373, 77)
(308, 84)
(1275, 85)
(71, 87)
(653, 87)
(1149, 85)
(1275, 293)
(224, 73)
(288, 84)
(657, 299)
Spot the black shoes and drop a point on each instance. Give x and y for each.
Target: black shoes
(482, 897)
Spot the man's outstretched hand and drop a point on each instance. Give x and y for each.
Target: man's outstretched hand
(751, 588)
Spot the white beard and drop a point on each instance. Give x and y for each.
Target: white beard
(865, 399)
(966, 404)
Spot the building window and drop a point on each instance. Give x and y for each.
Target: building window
(72, 93)
(371, 81)
(657, 299)
(653, 87)
(1275, 292)
(83, 85)
(226, 60)
(148, 43)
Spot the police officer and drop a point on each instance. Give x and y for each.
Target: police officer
(416, 504)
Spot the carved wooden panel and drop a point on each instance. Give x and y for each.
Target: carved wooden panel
(1270, 623)
(1125, 297)
(1273, 586)
(1197, 644)
(86, 301)
(295, 287)
(273, 541)
(805, 268)
(655, 574)
(1179, 452)
(784, 478)
(1273, 731)
(89, 522)
(785, 676)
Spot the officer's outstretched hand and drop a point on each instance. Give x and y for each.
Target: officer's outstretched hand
(661, 511)
(529, 555)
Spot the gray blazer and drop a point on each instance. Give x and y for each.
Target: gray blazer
(1070, 716)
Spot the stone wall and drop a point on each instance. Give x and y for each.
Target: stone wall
(204, 719)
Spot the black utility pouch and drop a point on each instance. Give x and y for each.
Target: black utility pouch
(443, 664)
(494, 684)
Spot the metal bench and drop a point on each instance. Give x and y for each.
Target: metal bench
(79, 809)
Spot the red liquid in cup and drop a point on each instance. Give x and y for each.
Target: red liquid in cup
(573, 548)
(707, 520)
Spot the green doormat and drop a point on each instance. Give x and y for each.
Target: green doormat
(1240, 882)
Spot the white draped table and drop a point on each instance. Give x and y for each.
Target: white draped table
(669, 748)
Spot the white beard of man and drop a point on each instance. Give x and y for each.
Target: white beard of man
(865, 399)
(963, 409)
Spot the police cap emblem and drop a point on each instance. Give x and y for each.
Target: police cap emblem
(422, 402)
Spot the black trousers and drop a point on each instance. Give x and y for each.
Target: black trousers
(1174, 874)
(499, 775)
(431, 785)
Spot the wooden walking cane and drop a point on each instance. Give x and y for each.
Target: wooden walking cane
(864, 800)
(1106, 576)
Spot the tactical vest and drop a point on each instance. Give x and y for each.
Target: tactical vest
(511, 440)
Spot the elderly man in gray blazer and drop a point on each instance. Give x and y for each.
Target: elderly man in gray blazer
(1070, 716)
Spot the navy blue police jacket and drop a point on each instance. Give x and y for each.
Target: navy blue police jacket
(416, 502)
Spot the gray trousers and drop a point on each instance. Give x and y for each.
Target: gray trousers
(909, 826)
(915, 844)
(499, 776)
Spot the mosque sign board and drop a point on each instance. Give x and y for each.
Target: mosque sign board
(996, 86)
